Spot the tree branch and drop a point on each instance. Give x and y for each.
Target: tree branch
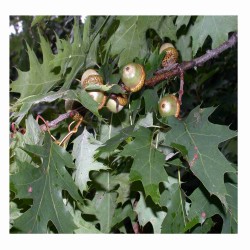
(162, 75)
(53, 123)
(197, 62)
(60, 118)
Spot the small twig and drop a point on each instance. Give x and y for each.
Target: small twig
(136, 227)
(15, 130)
(197, 62)
(181, 91)
(60, 118)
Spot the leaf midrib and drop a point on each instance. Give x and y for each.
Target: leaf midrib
(198, 151)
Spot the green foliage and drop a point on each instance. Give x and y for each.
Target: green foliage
(103, 206)
(201, 139)
(132, 171)
(44, 184)
(38, 19)
(83, 151)
(39, 79)
(148, 212)
(130, 37)
(183, 45)
(148, 162)
(217, 27)
(33, 136)
(182, 20)
(173, 199)
(72, 57)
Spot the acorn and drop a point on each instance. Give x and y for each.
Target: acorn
(133, 77)
(113, 106)
(90, 77)
(169, 106)
(116, 104)
(171, 56)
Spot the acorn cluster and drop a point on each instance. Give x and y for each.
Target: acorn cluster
(133, 79)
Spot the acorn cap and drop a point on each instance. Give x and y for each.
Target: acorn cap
(122, 99)
(171, 57)
(90, 76)
(87, 73)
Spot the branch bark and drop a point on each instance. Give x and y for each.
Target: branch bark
(54, 123)
(60, 118)
(197, 62)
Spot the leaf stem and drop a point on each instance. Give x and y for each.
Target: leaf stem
(182, 208)
(110, 125)
(130, 117)
(157, 140)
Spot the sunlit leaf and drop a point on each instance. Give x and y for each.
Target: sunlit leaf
(83, 152)
(33, 135)
(182, 20)
(14, 213)
(184, 46)
(103, 207)
(148, 212)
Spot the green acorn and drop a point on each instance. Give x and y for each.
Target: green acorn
(169, 106)
(133, 76)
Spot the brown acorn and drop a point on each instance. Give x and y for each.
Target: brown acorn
(171, 56)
